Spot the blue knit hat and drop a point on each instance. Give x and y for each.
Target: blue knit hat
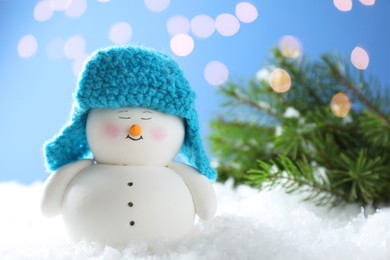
(128, 76)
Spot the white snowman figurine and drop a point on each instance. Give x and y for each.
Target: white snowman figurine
(134, 111)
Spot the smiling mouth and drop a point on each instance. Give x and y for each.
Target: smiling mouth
(134, 139)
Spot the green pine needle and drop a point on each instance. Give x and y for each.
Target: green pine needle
(330, 160)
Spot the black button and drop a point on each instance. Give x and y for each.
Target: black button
(130, 184)
(130, 204)
(132, 223)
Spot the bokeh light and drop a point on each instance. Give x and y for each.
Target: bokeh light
(290, 46)
(280, 80)
(216, 73)
(343, 5)
(55, 48)
(202, 26)
(120, 33)
(43, 11)
(60, 5)
(246, 12)
(74, 47)
(367, 2)
(27, 46)
(157, 5)
(340, 105)
(103, 1)
(76, 8)
(182, 44)
(227, 24)
(360, 58)
(178, 25)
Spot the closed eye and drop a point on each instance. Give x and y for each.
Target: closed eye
(146, 112)
(124, 116)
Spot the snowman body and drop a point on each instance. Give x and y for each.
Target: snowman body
(131, 190)
(115, 204)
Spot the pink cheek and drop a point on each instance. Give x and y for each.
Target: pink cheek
(159, 133)
(111, 130)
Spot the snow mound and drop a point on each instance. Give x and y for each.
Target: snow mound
(249, 225)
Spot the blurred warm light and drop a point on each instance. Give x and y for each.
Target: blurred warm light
(360, 58)
(340, 105)
(246, 12)
(202, 26)
(78, 64)
(367, 2)
(343, 5)
(216, 73)
(178, 25)
(76, 8)
(290, 46)
(157, 5)
(60, 5)
(74, 47)
(27, 46)
(55, 48)
(280, 80)
(120, 33)
(43, 11)
(182, 44)
(227, 24)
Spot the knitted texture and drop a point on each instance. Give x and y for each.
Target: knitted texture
(129, 76)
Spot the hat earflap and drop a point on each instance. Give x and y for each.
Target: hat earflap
(193, 150)
(69, 145)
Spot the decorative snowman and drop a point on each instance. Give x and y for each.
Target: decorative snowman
(134, 111)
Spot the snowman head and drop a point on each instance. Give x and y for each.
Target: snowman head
(134, 136)
(132, 106)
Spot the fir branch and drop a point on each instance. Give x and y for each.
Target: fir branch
(238, 145)
(355, 90)
(245, 100)
(363, 176)
(295, 177)
(349, 157)
(298, 71)
(374, 129)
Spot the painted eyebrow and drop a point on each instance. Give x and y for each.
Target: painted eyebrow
(148, 112)
(121, 111)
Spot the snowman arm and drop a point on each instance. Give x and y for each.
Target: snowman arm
(56, 185)
(201, 189)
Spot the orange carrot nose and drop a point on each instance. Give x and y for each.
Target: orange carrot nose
(135, 130)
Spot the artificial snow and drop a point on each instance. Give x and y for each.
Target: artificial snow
(291, 113)
(249, 225)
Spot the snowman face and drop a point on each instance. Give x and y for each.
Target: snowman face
(134, 136)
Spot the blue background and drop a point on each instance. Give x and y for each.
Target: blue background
(36, 93)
